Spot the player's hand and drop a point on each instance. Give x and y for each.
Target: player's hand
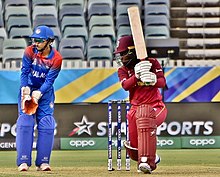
(142, 66)
(36, 95)
(148, 78)
(31, 105)
(25, 97)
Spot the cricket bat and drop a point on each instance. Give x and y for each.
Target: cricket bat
(137, 32)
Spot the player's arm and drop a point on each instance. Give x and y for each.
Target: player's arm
(158, 71)
(161, 82)
(27, 104)
(26, 67)
(51, 75)
(31, 105)
(127, 82)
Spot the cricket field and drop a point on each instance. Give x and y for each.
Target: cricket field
(93, 163)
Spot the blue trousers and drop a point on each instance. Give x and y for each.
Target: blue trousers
(45, 127)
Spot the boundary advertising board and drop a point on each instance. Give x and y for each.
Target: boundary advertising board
(188, 125)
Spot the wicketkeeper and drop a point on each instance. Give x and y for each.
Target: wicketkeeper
(41, 65)
(142, 79)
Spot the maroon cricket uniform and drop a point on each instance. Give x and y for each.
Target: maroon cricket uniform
(140, 94)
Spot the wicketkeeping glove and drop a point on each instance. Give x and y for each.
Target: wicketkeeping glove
(33, 104)
(142, 66)
(148, 78)
(30, 105)
(25, 97)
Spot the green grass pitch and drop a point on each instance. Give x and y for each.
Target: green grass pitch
(93, 163)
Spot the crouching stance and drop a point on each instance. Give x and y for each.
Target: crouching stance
(142, 80)
(146, 128)
(41, 65)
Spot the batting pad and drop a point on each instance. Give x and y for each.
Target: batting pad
(146, 127)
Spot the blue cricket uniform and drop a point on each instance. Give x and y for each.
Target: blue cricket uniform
(39, 73)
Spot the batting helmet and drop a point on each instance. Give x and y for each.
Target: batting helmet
(43, 32)
(125, 52)
(123, 43)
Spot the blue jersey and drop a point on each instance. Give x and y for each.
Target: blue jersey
(38, 71)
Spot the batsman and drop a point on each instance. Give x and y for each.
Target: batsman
(142, 79)
(41, 64)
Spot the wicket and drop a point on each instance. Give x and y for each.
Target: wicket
(119, 134)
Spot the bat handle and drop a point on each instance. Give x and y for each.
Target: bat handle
(142, 59)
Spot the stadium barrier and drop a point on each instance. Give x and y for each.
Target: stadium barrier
(188, 125)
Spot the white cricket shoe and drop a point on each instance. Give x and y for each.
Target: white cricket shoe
(157, 159)
(23, 167)
(144, 166)
(44, 167)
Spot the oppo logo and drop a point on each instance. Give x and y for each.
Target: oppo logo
(82, 143)
(202, 142)
(165, 143)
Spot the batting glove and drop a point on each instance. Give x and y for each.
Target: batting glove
(142, 66)
(148, 78)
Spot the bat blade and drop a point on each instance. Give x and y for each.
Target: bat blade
(137, 32)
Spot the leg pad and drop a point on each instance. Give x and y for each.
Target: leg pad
(146, 127)
(45, 140)
(24, 139)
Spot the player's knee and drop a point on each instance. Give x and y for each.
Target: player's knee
(47, 123)
(132, 152)
(25, 120)
(161, 117)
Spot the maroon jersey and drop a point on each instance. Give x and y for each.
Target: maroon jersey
(139, 93)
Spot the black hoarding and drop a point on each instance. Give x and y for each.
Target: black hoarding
(90, 120)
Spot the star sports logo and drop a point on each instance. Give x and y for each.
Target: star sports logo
(82, 127)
